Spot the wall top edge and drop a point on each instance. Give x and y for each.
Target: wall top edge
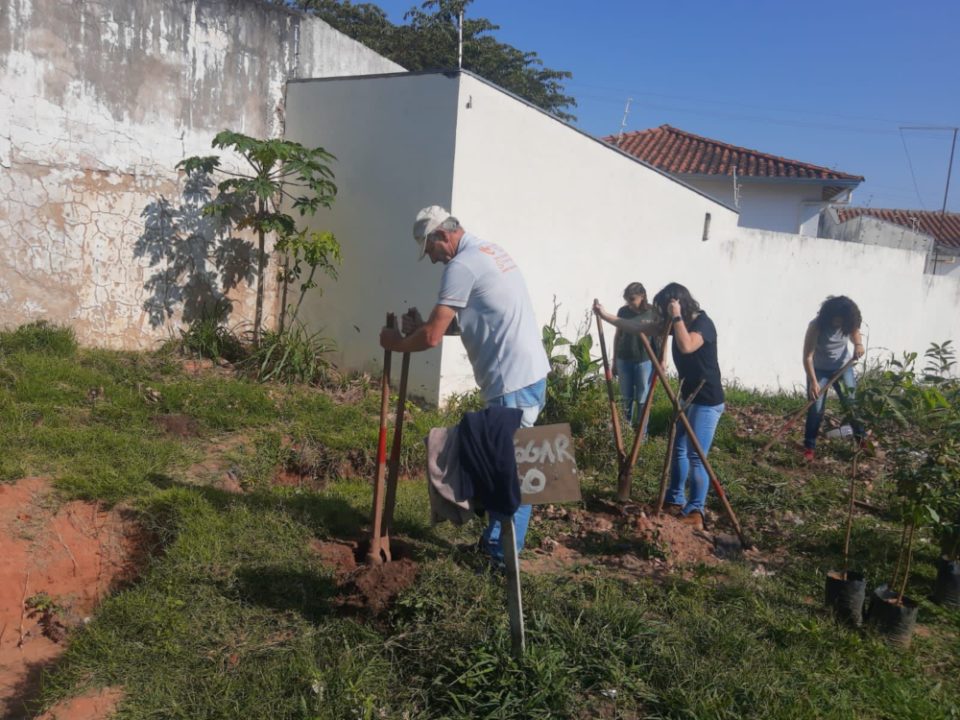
(455, 74)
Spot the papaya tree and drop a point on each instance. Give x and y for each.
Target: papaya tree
(272, 177)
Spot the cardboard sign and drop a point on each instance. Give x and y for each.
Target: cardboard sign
(546, 465)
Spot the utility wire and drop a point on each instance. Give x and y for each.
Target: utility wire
(910, 165)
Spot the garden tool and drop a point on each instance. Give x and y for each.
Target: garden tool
(374, 556)
(394, 465)
(692, 439)
(614, 411)
(625, 479)
(671, 441)
(796, 416)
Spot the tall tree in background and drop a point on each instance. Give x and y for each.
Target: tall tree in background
(428, 41)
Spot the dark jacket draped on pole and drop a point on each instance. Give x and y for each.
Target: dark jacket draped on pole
(488, 460)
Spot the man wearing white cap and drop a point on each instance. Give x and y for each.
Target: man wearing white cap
(484, 290)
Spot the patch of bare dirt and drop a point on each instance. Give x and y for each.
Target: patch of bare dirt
(215, 469)
(97, 704)
(364, 588)
(340, 556)
(181, 426)
(628, 541)
(56, 563)
(372, 588)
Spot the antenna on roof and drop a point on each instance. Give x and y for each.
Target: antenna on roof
(623, 123)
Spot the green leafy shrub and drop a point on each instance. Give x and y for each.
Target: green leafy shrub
(575, 394)
(209, 338)
(917, 413)
(39, 337)
(292, 355)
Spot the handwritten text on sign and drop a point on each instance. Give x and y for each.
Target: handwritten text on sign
(546, 464)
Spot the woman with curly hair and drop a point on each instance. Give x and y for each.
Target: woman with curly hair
(826, 349)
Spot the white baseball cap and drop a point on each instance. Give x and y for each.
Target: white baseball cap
(428, 220)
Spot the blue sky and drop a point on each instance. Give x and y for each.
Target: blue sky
(829, 83)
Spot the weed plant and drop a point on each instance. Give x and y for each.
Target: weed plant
(39, 337)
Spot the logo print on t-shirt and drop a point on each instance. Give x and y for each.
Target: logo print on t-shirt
(502, 259)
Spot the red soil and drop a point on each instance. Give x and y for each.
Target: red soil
(94, 705)
(369, 589)
(74, 554)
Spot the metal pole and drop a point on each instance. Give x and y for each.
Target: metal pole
(946, 190)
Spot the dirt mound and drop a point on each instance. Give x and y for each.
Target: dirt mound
(373, 587)
(94, 705)
(57, 561)
(368, 589)
(628, 540)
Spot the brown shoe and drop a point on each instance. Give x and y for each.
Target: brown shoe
(693, 519)
(673, 509)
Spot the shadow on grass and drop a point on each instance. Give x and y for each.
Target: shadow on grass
(281, 588)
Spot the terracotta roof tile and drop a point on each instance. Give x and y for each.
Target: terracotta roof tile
(945, 230)
(679, 152)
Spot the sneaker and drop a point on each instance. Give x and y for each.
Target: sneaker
(694, 519)
(673, 509)
(808, 454)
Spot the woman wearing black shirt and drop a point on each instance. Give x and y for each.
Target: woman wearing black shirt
(695, 356)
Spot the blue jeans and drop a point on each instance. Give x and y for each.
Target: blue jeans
(531, 400)
(686, 461)
(845, 388)
(634, 386)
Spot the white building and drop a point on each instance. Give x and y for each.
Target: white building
(582, 219)
(771, 192)
(934, 233)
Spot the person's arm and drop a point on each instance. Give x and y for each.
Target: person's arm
(858, 348)
(687, 342)
(809, 345)
(427, 336)
(630, 325)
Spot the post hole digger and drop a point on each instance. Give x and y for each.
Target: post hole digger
(690, 343)
(385, 483)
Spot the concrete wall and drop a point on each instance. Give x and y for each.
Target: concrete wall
(582, 221)
(874, 231)
(788, 207)
(395, 139)
(98, 102)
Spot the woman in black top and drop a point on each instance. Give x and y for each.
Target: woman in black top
(695, 356)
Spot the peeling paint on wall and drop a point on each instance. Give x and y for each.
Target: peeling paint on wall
(98, 103)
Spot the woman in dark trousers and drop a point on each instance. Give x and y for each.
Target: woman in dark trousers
(826, 349)
(695, 356)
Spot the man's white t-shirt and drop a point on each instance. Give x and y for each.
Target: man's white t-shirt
(497, 323)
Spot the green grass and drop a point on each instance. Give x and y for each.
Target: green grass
(234, 616)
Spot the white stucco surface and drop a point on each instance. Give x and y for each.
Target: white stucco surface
(394, 138)
(98, 103)
(789, 206)
(582, 220)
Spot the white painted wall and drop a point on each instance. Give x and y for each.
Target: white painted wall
(394, 139)
(582, 220)
(787, 206)
(98, 102)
